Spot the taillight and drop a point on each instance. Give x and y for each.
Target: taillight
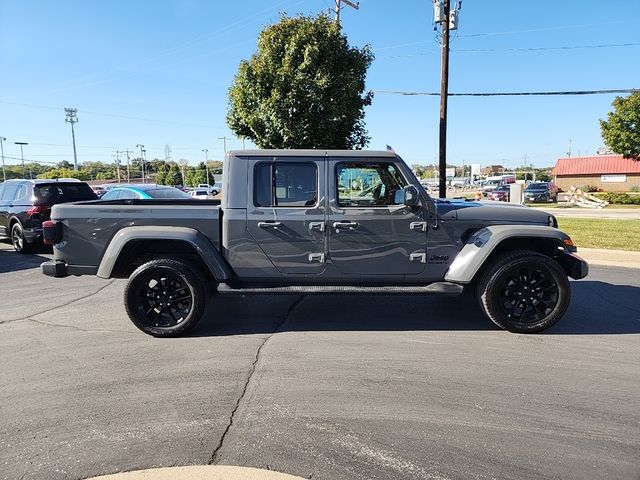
(51, 232)
(36, 212)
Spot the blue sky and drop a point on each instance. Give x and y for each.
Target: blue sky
(158, 72)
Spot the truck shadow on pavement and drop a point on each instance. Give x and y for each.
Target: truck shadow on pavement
(10, 261)
(597, 308)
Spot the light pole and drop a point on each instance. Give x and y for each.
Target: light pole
(206, 163)
(72, 117)
(22, 155)
(140, 146)
(4, 175)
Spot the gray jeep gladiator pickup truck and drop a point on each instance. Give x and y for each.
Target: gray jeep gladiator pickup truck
(315, 221)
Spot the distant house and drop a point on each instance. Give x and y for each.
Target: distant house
(610, 173)
(492, 170)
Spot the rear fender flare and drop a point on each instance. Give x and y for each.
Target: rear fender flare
(207, 251)
(482, 243)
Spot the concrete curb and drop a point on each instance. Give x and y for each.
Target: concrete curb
(610, 258)
(199, 472)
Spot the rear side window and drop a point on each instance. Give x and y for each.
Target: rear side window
(285, 184)
(50, 194)
(24, 194)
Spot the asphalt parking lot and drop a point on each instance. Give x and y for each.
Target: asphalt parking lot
(326, 387)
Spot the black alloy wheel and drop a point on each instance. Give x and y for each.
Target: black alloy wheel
(18, 240)
(524, 292)
(165, 297)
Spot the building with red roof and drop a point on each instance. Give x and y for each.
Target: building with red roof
(610, 173)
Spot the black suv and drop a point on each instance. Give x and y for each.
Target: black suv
(25, 204)
(541, 192)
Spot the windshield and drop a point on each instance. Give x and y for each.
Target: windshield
(50, 194)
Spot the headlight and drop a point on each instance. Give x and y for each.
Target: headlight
(552, 221)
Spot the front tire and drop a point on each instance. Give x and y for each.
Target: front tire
(165, 297)
(524, 292)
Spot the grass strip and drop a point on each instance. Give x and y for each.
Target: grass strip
(602, 233)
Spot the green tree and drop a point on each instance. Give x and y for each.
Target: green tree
(172, 176)
(621, 130)
(65, 173)
(195, 176)
(303, 88)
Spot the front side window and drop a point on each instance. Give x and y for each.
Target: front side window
(287, 184)
(368, 184)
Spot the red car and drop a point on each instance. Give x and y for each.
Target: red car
(500, 193)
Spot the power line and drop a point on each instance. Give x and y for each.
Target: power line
(529, 49)
(510, 94)
(488, 34)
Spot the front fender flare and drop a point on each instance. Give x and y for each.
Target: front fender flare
(480, 245)
(207, 251)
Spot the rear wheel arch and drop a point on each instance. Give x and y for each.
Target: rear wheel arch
(137, 252)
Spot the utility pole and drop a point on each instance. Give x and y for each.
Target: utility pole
(72, 117)
(127, 152)
(22, 155)
(117, 155)
(448, 18)
(4, 175)
(338, 7)
(140, 146)
(206, 163)
(224, 144)
(444, 93)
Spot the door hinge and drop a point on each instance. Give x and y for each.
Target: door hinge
(418, 257)
(316, 257)
(419, 226)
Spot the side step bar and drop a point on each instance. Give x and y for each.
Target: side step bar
(439, 288)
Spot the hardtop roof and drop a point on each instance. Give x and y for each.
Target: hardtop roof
(311, 153)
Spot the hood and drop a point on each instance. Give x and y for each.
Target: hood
(491, 212)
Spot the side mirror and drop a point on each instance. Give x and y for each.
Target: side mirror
(408, 196)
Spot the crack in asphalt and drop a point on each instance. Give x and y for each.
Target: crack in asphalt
(285, 318)
(29, 317)
(74, 327)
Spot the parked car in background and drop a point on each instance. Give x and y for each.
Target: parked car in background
(500, 193)
(200, 193)
(541, 192)
(25, 204)
(98, 190)
(214, 189)
(491, 183)
(143, 192)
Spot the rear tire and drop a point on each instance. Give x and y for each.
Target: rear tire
(18, 239)
(524, 292)
(165, 297)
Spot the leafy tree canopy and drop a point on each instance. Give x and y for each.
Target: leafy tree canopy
(303, 88)
(621, 130)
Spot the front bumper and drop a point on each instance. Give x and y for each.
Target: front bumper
(54, 268)
(574, 265)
